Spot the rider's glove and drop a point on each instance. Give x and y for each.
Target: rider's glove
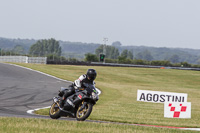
(80, 88)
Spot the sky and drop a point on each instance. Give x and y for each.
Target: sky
(157, 23)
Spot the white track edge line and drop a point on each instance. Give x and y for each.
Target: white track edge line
(193, 129)
(32, 111)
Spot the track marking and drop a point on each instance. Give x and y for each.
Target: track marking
(32, 111)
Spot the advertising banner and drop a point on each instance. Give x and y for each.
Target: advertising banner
(161, 97)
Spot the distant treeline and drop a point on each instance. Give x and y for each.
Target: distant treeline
(115, 52)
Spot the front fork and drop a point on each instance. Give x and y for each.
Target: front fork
(56, 100)
(83, 105)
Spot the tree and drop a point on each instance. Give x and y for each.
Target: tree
(46, 47)
(121, 59)
(99, 50)
(185, 64)
(124, 53)
(19, 49)
(116, 53)
(91, 57)
(116, 44)
(111, 52)
(174, 58)
(139, 56)
(160, 63)
(198, 61)
(145, 55)
(130, 55)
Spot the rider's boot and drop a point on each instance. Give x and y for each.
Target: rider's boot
(61, 103)
(67, 93)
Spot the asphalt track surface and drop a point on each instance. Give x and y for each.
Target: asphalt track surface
(22, 90)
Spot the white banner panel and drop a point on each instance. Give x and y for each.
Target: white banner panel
(160, 97)
(177, 110)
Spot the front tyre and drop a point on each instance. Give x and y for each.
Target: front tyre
(54, 111)
(82, 114)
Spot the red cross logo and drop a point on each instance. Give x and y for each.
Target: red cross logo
(177, 113)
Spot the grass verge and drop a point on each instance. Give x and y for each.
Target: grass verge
(119, 87)
(26, 125)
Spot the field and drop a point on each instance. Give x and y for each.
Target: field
(118, 101)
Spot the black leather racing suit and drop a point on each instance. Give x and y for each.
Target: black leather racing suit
(78, 84)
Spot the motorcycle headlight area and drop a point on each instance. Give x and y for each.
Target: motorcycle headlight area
(55, 99)
(95, 96)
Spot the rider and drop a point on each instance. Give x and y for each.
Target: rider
(89, 78)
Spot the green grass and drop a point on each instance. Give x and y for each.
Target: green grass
(119, 85)
(26, 125)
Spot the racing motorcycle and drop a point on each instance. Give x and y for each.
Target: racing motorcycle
(79, 105)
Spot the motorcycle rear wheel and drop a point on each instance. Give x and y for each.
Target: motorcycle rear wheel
(54, 111)
(81, 115)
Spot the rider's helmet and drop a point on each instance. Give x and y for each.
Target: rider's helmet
(91, 74)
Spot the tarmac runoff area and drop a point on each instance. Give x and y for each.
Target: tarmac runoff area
(24, 89)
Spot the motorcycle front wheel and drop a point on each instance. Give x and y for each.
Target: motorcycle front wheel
(82, 114)
(54, 111)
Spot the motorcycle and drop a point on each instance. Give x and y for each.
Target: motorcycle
(79, 105)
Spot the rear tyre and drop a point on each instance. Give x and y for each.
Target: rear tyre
(83, 114)
(54, 111)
